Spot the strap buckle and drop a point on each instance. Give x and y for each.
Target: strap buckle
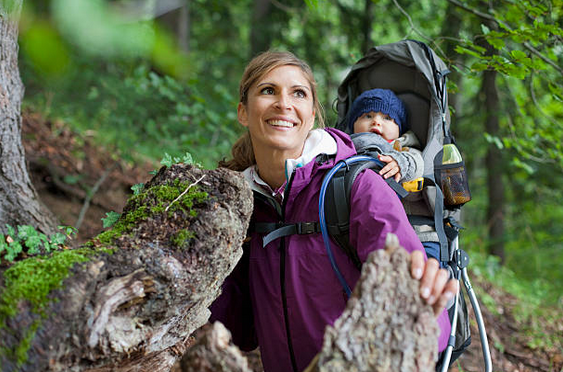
(306, 228)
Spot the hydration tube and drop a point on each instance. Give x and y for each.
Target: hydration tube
(322, 219)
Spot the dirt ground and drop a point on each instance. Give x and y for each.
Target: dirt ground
(74, 177)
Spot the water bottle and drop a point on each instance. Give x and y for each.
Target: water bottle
(453, 177)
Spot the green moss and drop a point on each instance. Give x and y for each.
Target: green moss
(22, 349)
(154, 201)
(33, 280)
(181, 238)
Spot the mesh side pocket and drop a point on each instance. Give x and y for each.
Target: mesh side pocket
(454, 184)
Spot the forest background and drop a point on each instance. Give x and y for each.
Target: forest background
(152, 79)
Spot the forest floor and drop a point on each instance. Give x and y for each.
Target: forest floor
(68, 170)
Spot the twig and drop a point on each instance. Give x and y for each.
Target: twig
(184, 193)
(500, 23)
(91, 193)
(416, 30)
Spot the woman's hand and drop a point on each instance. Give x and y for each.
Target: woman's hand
(391, 168)
(435, 287)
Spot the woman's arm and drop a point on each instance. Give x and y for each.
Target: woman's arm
(376, 210)
(233, 307)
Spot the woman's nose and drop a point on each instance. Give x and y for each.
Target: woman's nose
(283, 101)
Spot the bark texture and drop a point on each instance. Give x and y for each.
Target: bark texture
(214, 352)
(19, 204)
(134, 309)
(386, 325)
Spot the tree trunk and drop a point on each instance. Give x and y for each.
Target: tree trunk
(494, 165)
(493, 162)
(451, 28)
(367, 20)
(19, 204)
(130, 298)
(260, 35)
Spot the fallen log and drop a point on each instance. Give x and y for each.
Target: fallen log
(128, 299)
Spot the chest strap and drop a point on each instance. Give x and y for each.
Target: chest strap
(275, 230)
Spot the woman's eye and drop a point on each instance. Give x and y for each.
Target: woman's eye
(387, 117)
(300, 94)
(267, 90)
(369, 116)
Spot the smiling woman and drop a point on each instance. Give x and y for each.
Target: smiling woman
(281, 295)
(279, 114)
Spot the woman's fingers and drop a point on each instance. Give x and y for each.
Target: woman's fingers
(417, 264)
(450, 290)
(428, 277)
(435, 287)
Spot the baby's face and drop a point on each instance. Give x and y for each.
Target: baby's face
(379, 123)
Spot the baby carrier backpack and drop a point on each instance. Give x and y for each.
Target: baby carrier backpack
(418, 77)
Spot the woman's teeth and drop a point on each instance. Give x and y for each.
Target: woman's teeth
(281, 123)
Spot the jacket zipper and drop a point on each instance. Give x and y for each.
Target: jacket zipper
(282, 278)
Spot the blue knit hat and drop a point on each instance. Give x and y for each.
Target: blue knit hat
(379, 100)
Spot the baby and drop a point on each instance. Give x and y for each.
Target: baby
(380, 111)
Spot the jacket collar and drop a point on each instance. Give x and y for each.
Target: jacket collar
(336, 145)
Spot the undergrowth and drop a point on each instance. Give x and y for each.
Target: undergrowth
(536, 310)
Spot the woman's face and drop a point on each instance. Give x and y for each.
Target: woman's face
(279, 112)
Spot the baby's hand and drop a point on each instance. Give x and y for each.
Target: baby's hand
(390, 169)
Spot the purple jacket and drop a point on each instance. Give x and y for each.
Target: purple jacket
(282, 296)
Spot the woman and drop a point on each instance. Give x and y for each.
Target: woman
(282, 296)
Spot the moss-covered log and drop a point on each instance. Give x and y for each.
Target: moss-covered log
(130, 298)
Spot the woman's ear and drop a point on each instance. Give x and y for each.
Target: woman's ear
(242, 115)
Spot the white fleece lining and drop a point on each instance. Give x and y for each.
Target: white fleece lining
(317, 142)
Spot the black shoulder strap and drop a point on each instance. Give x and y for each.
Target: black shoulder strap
(337, 211)
(337, 204)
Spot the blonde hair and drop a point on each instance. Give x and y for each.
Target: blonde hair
(258, 67)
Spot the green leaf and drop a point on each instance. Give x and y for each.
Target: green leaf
(312, 4)
(518, 54)
(69, 231)
(462, 50)
(32, 243)
(496, 43)
(3, 244)
(14, 249)
(494, 140)
(58, 239)
(485, 29)
(11, 231)
(167, 160)
(520, 164)
(187, 159)
(26, 232)
(72, 179)
(137, 188)
(110, 219)
(478, 66)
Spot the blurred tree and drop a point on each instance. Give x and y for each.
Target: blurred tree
(19, 204)
(367, 21)
(494, 161)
